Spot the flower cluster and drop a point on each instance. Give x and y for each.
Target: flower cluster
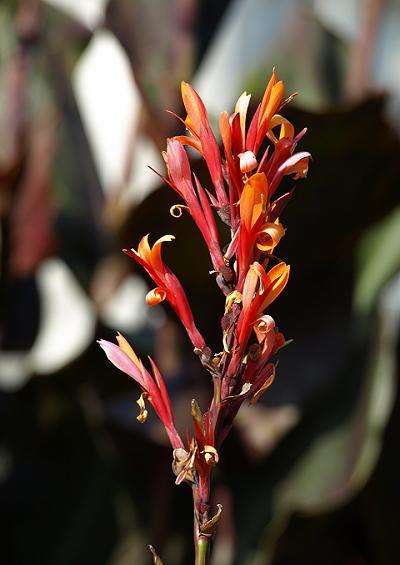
(244, 181)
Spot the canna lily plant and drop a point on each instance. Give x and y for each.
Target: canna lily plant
(256, 154)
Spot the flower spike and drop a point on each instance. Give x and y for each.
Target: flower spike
(243, 190)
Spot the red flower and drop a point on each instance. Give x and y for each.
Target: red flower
(154, 389)
(203, 139)
(169, 288)
(180, 176)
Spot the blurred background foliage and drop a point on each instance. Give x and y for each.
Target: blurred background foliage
(309, 475)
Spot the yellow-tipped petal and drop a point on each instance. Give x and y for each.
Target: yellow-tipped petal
(194, 107)
(126, 348)
(155, 254)
(241, 108)
(287, 129)
(275, 281)
(225, 130)
(144, 250)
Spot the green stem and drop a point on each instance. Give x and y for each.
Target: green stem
(202, 551)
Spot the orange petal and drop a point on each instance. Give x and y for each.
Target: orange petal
(155, 296)
(144, 249)
(194, 107)
(263, 326)
(275, 281)
(155, 255)
(287, 129)
(253, 200)
(272, 104)
(269, 236)
(186, 140)
(266, 97)
(225, 130)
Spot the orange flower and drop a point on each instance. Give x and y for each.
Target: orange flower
(262, 118)
(180, 177)
(252, 208)
(259, 291)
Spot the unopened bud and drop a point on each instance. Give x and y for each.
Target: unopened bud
(248, 161)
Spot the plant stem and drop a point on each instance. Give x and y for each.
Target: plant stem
(202, 551)
(201, 497)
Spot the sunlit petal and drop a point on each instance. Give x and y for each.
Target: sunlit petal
(155, 296)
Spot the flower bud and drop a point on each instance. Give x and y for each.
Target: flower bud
(248, 161)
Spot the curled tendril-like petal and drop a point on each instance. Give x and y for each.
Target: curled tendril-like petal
(269, 236)
(210, 455)
(183, 464)
(176, 210)
(155, 296)
(263, 326)
(287, 129)
(142, 406)
(209, 527)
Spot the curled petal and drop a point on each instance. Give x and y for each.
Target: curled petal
(183, 464)
(150, 257)
(209, 527)
(287, 129)
(210, 455)
(176, 210)
(270, 236)
(186, 140)
(142, 406)
(297, 164)
(156, 259)
(155, 296)
(263, 326)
